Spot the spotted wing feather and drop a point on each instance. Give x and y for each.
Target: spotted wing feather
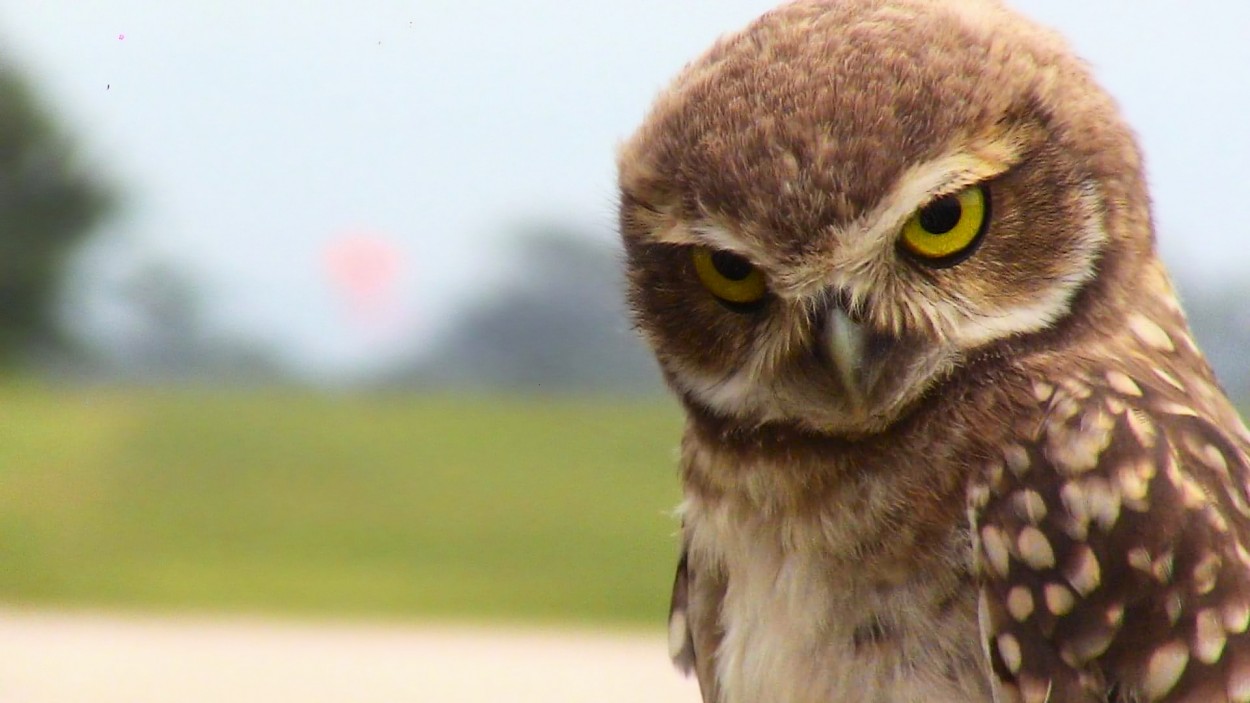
(1111, 551)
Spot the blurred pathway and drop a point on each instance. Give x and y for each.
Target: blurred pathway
(77, 658)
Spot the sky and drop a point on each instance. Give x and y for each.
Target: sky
(252, 142)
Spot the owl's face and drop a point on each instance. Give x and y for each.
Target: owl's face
(821, 228)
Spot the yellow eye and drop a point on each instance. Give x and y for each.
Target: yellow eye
(729, 276)
(947, 228)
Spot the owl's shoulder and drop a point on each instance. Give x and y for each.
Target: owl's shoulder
(1111, 540)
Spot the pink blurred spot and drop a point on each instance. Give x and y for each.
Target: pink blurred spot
(121, 37)
(364, 267)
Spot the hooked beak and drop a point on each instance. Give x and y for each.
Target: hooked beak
(846, 342)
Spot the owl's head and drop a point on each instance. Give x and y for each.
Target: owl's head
(851, 202)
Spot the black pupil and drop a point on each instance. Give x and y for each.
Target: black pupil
(731, 266)
(941, 215)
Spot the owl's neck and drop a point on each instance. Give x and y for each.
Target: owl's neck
(783, 469)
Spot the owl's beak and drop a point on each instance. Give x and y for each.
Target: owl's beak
(846, 342)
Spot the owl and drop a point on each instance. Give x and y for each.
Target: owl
(948, 437)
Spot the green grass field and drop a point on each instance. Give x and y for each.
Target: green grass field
(300, 503)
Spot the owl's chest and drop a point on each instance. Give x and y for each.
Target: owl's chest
(801, 626)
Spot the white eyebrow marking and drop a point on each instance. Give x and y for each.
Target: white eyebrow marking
(715, 236)
(720, 237)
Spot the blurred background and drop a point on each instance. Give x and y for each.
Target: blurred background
(316, 312)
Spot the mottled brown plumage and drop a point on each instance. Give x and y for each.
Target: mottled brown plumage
(1000, 474)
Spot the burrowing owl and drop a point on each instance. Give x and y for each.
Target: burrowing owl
(948, 436)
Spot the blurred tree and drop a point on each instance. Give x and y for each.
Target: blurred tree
(48, 205)
(168, 338)
(558, 323)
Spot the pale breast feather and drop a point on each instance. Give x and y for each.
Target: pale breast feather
(1111, 550)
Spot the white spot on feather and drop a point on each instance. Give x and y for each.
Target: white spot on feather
(1169, 379)
(1020, 603)
(1059, 599)
(1121, 383)
(1170, 408)
(1139, 558)
(1141, 427)
(1209, 637)
(1029, 505)
(1236, 617)
(1017, 459)
(1206, 571)
(1083, 570)
(1043, 391)
(994, 544)
(1164, 669)
(1150, 332)
(1009, 649)
(1035, 549)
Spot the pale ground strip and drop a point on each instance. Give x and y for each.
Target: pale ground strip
(99, 658)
